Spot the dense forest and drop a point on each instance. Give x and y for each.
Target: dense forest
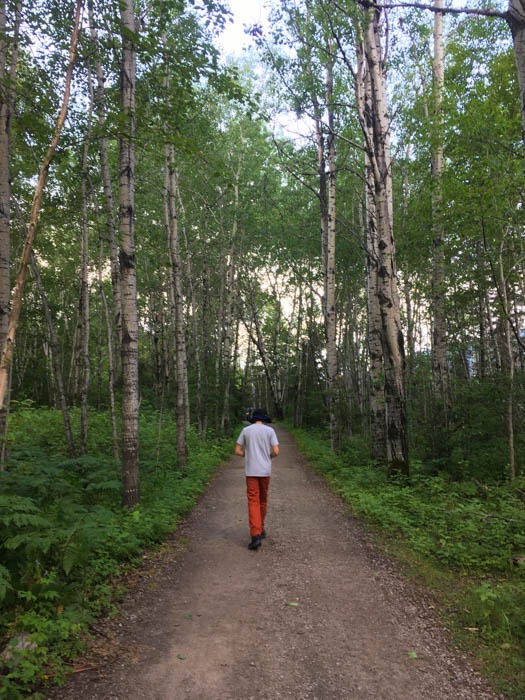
(330, 226)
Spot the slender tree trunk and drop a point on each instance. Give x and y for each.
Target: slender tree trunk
(326, 194)
(55, 359)
(8, 70)
(329, 265)
(196, 358)
(206, 353)
(176, 281)
(84, 311)
(130, 327)
(298, 350)
(111, 362)
(375, 346)
(439, 334)
(189, 285)
(8, 348)
(229, 296)
(5, 187)
(508, 367)
(258, 341)
(109, 208)
(410, 332)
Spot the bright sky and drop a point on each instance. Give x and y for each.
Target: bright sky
(245, 12)
(248, 12)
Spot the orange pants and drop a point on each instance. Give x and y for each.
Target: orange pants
(257, 491)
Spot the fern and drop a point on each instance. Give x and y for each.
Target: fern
(18, 511)
(5, 581)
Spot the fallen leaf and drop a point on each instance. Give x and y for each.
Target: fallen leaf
(293, 604)
(181, 657)
(412, 655)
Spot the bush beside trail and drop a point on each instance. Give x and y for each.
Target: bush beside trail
(65, 538)
(464, 539)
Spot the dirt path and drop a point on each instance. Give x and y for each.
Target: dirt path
(315, 614)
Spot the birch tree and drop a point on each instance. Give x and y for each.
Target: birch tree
(128, 273)
(8, 70)
(439, 333)
(376, 128)
(313, 92)
(172, 228)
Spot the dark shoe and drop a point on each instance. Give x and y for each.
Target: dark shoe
(263, 534)
(255, 543)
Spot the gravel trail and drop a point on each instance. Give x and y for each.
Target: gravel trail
(315, 614)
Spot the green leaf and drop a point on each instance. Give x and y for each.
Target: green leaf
(5, 581)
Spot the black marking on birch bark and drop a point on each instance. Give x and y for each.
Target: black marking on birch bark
(127, 260)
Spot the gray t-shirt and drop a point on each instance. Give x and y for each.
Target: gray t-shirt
(257, 440)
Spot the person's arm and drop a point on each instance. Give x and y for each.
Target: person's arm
(275, 451)
(239, 450)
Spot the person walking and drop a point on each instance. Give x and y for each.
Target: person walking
(258, 444)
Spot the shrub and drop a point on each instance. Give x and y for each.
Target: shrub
(64, 534)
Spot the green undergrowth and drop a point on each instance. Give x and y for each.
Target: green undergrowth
(463, 539)
(65, 539)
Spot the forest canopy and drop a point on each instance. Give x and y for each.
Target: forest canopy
(329, 225)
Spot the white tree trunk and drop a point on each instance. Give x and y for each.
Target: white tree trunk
(508, 365)
(8, 69)
(387, 291)
(99, 104)
(371, 240)
(439, 334)
(111, 362)
(130, 328)
(177, 296)
(229, 297)
(84, 315)
(329, 265)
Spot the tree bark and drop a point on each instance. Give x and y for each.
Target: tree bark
(508, 367)
(84, 315)
(439, 334)
(196, 356)
(229, 296)
(176, 282)
(329, 264)
(387, 291)
(111, 362)
(258, 340)
(129, 339)
(8, 70)
(99, 104)
(374, 320)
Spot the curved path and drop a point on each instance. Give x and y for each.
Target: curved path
(315, 614)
